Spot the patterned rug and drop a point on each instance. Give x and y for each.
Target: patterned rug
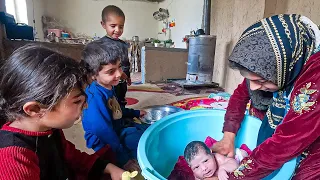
(145, 88)
(174, 88)
(177, 90)
(131, 101)
(201, 103)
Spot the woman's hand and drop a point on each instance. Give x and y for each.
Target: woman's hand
(226, 145)
(114, 171)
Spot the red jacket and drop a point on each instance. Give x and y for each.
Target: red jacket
(237, 107)
(21, 157)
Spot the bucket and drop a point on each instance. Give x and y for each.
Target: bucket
(164, 141)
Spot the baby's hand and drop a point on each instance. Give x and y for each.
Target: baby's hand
(222, 174)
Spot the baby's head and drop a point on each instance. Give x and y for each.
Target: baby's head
(112, 21)
(200, 159)
(42, 87)
(103, 62)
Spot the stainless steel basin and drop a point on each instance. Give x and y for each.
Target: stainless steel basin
(155, 113)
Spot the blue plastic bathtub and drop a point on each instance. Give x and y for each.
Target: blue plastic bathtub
(164, 141)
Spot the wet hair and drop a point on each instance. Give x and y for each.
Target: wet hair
(36, 73)
(193, 148)
(111, 10)
(99, 53)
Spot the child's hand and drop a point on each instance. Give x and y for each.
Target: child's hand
(129, 81)
(124, 76)
(143, 113)
(114, 171)
(222, 174)
(132, 165)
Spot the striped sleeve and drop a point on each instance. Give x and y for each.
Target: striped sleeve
(18, 163)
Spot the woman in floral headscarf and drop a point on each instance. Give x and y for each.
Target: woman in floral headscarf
(278, 57)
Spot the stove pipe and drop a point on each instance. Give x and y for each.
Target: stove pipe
(207, 16)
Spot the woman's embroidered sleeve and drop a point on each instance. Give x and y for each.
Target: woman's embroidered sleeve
(236, 108)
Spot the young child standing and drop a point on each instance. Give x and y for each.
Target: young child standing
(40, 94)
(104, 121)
(113, 20)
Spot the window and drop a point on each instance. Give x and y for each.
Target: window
(17, 8)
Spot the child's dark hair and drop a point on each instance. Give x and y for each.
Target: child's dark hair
(99, 53)
(35, 73)
(111, 9)
(193, 149)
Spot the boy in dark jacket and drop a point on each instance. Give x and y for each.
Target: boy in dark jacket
(113, 20)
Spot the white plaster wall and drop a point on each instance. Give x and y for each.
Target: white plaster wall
(84, 16)
(35, 10)
(52, 7)
(221, 26)
(2, 5)
(230, 19)
(188, 16)
(309, 8)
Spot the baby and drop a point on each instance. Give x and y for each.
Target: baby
(205, 164)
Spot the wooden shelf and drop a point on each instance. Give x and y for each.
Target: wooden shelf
(70, 50)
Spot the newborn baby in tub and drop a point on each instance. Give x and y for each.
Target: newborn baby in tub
(190, 166)
(205, 164)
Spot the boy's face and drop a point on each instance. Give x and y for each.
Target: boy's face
(113, 25)
(203, 165)
(109, 75)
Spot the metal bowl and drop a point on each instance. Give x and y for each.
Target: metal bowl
(155, 113)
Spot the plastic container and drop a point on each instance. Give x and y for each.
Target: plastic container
(64, 35)
(165, 140)
(55, 31)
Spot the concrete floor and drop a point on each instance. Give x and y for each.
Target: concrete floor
(75, 134)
